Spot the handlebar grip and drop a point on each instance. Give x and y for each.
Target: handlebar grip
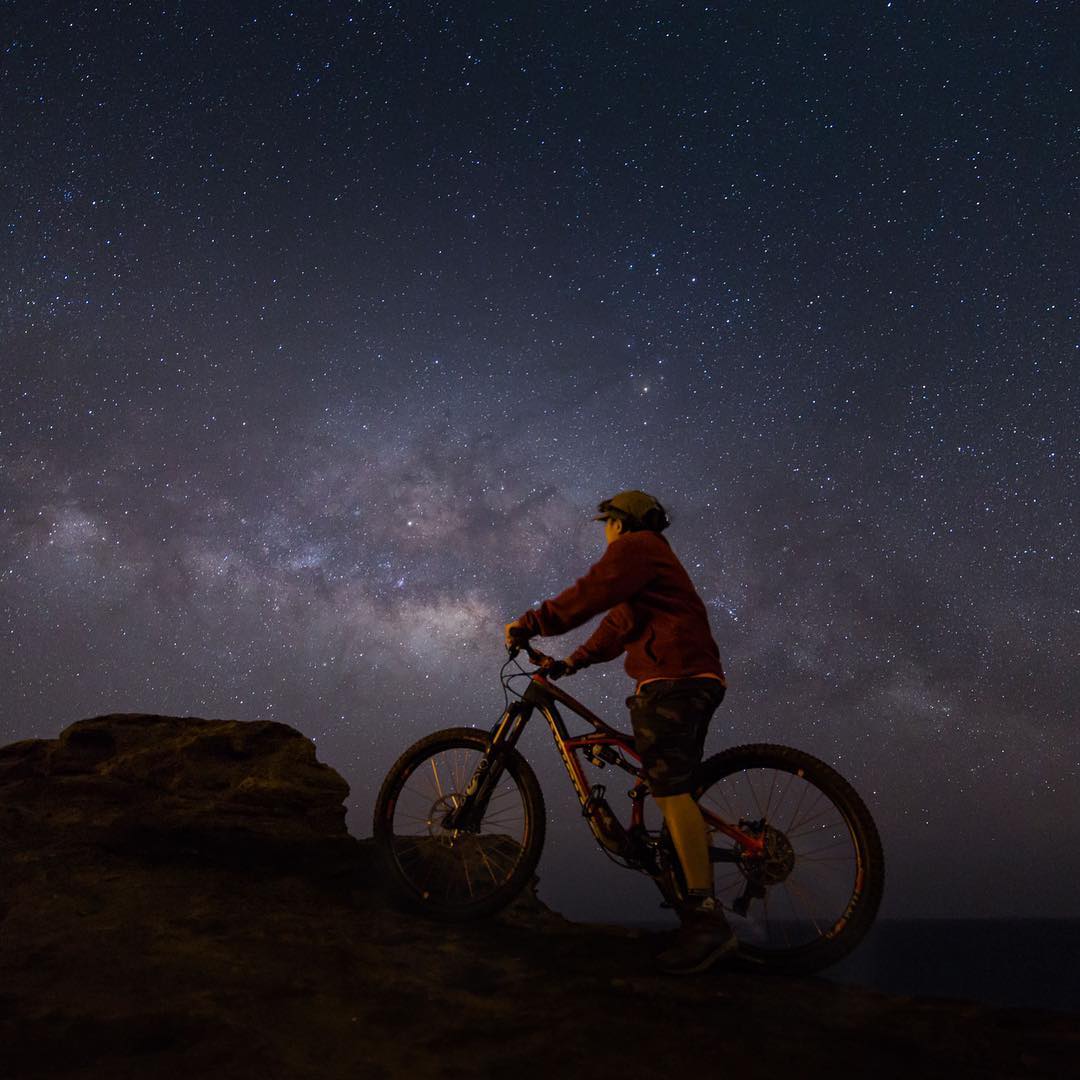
(556, 669)
(552, 668)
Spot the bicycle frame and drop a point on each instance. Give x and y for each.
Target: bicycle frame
(543, 695)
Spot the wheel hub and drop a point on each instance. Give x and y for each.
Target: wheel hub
(775, 862)
(440, 808)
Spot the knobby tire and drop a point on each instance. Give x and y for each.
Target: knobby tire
(430, 872)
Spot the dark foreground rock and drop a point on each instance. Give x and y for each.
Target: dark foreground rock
(180, 898)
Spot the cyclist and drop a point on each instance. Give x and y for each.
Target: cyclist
(655, 615)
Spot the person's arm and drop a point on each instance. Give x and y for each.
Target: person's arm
(608, 640)
(623, 571)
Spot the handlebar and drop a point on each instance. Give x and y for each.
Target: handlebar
(535, 655)
(549, 666)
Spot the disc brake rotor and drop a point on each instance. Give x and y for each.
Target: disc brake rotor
(775, 863)
(437, 816)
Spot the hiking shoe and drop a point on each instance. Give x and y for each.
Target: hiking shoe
(704, 938)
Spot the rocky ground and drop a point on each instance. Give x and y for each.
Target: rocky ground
(180, 898)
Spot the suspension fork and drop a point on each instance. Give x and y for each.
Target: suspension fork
(489, 769)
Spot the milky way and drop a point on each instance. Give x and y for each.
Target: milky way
(325, 328)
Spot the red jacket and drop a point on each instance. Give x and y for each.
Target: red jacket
(653, 612)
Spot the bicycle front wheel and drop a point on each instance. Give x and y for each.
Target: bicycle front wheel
(457, 874)
(811, 895)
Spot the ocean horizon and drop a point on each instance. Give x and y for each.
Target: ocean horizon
(1012, 963)
(1007, 963)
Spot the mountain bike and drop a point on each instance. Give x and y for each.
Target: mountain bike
(459, 826)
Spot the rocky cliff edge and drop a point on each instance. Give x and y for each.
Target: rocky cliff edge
(180, 897)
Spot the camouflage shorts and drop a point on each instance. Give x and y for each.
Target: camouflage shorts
(670, 718)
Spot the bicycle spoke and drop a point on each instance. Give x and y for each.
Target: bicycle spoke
(423, 799)
(817, 828)
(790, 889)
(829, 807)
(827, 847)
(497, 824)
(798, 805)
(813, 899)
(734, 814)
(772, 791)
(408, 845)
(461, 780)
(504, 833)
(783, 794)
(438, 783)
(795, 824)
(492, 858)
(757, 801)
(487, 863)
(505, 793)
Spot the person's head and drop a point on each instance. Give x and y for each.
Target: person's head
(613, 529)
(631, 511)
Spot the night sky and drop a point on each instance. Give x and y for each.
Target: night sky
(324, 327)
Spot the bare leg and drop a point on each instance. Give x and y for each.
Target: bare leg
(687, 828)
(704, 937)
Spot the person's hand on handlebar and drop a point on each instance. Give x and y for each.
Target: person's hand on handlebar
(557, 669)
(516, 635)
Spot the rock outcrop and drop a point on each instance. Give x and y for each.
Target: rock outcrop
(180, 898)
(159, 786)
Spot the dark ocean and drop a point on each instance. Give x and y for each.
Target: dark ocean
(1030, 963)
(1025, 963)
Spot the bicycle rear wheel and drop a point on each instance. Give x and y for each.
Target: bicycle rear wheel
(814, 892)
(457, 874)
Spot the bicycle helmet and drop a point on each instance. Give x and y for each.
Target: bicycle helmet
(636, 510)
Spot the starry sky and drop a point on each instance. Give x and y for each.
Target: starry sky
(324, 327)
